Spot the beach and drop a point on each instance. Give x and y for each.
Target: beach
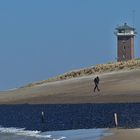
(115, 87)
(123, 134)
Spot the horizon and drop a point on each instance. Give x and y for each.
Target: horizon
(42, 39)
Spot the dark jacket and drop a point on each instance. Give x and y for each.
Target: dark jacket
(96, 80)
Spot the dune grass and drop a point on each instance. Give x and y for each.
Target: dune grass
(93, 70)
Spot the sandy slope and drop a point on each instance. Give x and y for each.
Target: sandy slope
(115, 87)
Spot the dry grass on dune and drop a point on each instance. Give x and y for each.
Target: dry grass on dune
(101, 68)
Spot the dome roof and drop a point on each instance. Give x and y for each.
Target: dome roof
(125, 27)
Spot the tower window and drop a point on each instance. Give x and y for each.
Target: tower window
(124, 48)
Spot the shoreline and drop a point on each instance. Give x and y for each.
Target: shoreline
(123, 134)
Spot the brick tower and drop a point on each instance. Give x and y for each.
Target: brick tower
(125, 42)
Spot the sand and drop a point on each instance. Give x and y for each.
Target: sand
(123, 134)
(116, 87)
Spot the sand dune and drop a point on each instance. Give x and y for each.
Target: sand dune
(98, 69)
(121, 86)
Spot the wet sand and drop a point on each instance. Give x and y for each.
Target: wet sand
(123, 134)
(116, 87)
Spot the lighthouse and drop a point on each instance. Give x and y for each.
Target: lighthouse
(125, 42)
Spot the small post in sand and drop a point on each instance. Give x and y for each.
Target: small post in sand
(42, 117)
(116, 119)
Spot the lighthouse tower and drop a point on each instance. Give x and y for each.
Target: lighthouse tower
(125, 42)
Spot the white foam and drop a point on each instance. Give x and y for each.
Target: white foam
(81, 134)
(23, 132)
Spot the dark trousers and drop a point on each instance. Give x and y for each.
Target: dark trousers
(96, 87)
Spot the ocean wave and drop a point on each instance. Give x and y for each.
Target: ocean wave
(29, 133)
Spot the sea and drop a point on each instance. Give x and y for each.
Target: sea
(65, 121)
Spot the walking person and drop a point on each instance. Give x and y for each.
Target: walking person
(96, 82)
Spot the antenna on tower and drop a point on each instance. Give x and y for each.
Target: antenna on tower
(133, 18)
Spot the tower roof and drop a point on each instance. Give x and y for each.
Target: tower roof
(125, 27)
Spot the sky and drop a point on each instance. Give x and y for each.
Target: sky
(40, 39)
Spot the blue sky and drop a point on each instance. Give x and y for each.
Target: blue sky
(43, 38)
